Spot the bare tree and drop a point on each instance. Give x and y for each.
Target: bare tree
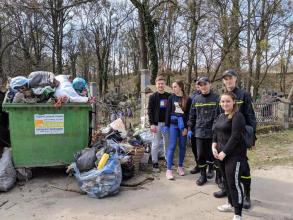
(147, 27)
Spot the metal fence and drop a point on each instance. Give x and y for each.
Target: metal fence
(291, 113)
(107, 113)
(266, 113)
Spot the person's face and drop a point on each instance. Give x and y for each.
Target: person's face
(160, 85)
(176, 89)
(230, 82)
(227, 103)
(197, 87)
(204, 88)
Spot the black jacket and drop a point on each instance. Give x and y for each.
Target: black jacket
(154, 107)
(171, 110)
(204, 110)
(229, 134)
(244, 102)
(194, 94)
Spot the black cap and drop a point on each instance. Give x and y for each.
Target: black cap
(230, 72)
(203, 79)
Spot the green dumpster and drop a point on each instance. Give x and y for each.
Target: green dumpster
(43, 135)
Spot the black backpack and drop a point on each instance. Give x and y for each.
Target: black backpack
(248, 136)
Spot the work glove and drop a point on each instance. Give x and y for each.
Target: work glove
(190, 134)
(165, 129)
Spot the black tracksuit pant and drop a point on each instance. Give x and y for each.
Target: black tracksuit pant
(245, 175)
(194, 149)
(232, 169)
(204, 152)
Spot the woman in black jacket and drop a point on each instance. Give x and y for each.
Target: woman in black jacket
(228, 147)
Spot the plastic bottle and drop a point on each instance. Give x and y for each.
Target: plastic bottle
(103, 161)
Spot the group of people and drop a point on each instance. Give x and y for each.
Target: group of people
(216, 127)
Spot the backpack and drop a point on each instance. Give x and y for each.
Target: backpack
(248, 136)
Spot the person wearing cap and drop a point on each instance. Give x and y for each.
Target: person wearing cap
(196, 92)
(204, 111)
(244, 102)
(156, 113)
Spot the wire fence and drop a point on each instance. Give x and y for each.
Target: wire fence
(107, 113)
(266, 113)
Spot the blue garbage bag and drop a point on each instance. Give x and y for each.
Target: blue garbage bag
(79, 84)
(18, 82)
(100, 183)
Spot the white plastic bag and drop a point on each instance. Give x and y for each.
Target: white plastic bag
(7, 171)
(65, 88)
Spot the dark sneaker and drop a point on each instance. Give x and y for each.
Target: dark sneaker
(195, 170)
(210, 174)
(246, 203)
(156, 168)
(201, 180)
(221, 185)
(220, 194)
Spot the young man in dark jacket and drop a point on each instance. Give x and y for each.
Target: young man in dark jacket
(244, 102)
(156, 112)
(204, 111)
(196, 92)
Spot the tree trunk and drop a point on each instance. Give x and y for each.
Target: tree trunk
(142, 43)
(150, 30)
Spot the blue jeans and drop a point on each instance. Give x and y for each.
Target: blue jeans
(176, 133)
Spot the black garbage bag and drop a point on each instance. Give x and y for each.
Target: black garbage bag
(127, 166)
(85, 159)
(7, 171)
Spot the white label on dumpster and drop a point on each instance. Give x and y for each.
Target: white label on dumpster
(49, 124)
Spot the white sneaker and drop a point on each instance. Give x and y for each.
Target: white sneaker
(225, 208)
(237, 217)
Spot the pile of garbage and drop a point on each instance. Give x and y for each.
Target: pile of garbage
(45, 87)
(7, 171)
(114, 156)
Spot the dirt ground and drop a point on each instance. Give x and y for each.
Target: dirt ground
(272, 194)
(272, 198)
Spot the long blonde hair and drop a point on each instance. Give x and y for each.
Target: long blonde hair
(235, 107)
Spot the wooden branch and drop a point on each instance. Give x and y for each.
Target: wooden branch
(160, 3)
(137, 4)
(3, 203)
(67, 190)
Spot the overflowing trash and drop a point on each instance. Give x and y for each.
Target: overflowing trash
(45, 87)
(99, 183)
(114, 156)
(66, 89)
(7, 171)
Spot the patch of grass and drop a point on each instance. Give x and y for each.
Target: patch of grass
(273, 149)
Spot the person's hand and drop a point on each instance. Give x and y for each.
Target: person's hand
(253, 147)
(184, 132)
(165, 129)
(221, 156)
(190, 134)
(215, 153)
(153, 129)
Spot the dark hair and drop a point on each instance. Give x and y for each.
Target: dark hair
(160, 77)
(184, 98)
(235, 107)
